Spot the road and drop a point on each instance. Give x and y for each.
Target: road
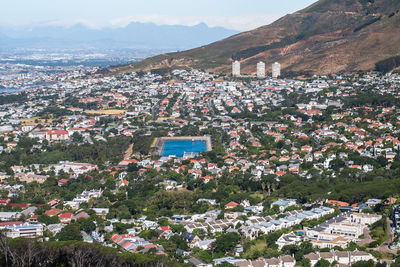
(210, 107)
(367, 238)
(128, 152)
(385, 246)
(154, 111)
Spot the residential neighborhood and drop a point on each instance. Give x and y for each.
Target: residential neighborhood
(81, 159)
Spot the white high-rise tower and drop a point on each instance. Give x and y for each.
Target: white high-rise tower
(236, 68)
(276, 70)
(260, 70)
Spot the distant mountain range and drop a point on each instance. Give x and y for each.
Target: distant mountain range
(330, 36)
(135, 35)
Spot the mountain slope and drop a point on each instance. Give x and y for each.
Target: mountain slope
(328, 36)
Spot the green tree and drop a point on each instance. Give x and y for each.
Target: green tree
(322, 263)
(149, 234)
(163, 222)
(200, 233)
(86, 225)
(225, 243)
(77, 137)
(369, 263)
(178, 228)
(70, 232)
(48, 220)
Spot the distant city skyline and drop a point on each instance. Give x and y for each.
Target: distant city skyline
(231, 14)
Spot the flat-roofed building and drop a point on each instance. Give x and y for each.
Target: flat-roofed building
(22, 230)
(276, 70)
(260, 70)
(236, 68)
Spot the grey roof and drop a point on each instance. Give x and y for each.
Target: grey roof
(195, 261)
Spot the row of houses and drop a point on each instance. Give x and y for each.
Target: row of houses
(343, 258)
(256, 225)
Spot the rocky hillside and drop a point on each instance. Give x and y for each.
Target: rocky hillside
(329, 36)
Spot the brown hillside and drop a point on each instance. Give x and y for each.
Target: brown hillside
(327, 37)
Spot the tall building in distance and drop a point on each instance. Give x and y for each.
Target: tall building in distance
(276, 70)
(236, 68)
(260, 70)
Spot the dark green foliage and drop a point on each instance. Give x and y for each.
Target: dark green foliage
(163, 222)
(15, 98)
(29, 252)
(161, 71)
(388, 64)
(48, 220)
(178, 228)
(149, 234)
(121, 228)
(369, 263)
(86, 225)
(142, 144)
(362, 26)
(96, 153)
(225, 243)
(70, 232)
(372, 99)
(171, 245)
(54, 112)
(77, 137)
(379, 232)
(352, 192)
(249, 52)
(298, 251)
(226, 264)
(322, 263)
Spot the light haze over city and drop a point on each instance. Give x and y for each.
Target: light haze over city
(232, 14)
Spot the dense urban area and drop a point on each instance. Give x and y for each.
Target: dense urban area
(299, 172)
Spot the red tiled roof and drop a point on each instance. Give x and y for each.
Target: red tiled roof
(11, 223)
(165, 228)
(56, 132)
(231, 204)
(66, 215)
(338, 203)
(52, 212)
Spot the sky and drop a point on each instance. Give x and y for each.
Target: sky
(233, 14)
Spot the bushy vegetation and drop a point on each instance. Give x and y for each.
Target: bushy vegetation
(388, 64)
(97, 153)
(13, 98)
(366, 24)
(379, 232)
(29, 252)
(252, 51)
(369, 98)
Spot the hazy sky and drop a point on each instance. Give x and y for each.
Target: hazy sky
(234, 14)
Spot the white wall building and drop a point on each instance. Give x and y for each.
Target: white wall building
(23, 230)
(236, 68)
(260, 70)
(276, 70)
(7, 216)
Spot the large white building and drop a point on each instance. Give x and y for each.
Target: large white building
(20, 229)
(236, 68)
(260, 69)
(276, 70)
